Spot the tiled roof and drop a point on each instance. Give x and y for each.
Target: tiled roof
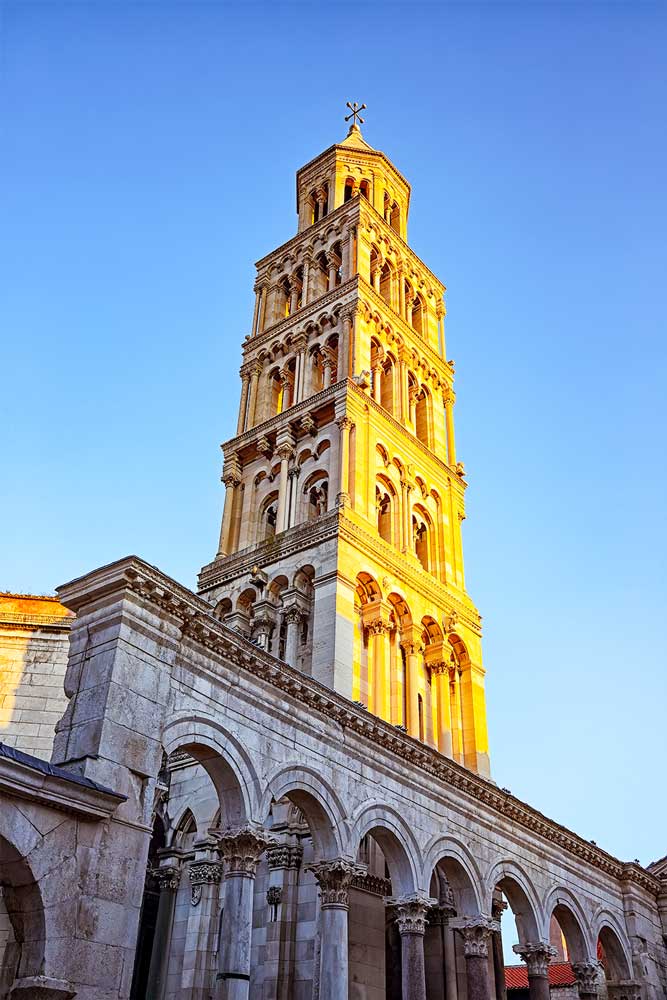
(560, 974)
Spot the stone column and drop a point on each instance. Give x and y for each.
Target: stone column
(344, 424)
(449, 399)
(413, 648)
(498, 906)
(284, 451)
(231, 477)
(255, 315)
(334, 878)
(293, 617)
(167, 878)
(262, 309)
(344, 346)
(411, 917)
(377, 383)
(406, 542)
(205, 874)
(588, 976)
(476, 933)
(327, 366)
(401, 292)
(241, 850)
(333, 269)
(455, 705)
(305, 291)
(255, 371)
(245, 384)
(537, 957)
(440, 673)
(451, 985)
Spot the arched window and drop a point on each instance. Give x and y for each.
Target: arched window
(267, 526)
(395, 218)
(422, 416)
(275, 393)
(420, 539)
(387, 384)
(318, 496)
(384, 513)
(417, 315)
(420, 704)
(386, 283)
(349, 189)
(365, 190)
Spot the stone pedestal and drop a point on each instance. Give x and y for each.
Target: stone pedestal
(241, 850)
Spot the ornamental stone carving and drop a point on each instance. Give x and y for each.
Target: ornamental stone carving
(411, 913)
(241, 850)
(284, 856)
(476, 932)
(537, 956)
(334, 878)
(274, 895)
(167, 877)
(588, 977)
(203, 873)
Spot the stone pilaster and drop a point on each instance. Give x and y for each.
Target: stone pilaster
(168, 877)
(284, 861)
(205, 874)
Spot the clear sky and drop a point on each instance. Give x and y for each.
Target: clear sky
(147, 159)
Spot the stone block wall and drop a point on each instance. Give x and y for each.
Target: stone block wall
(34, 645)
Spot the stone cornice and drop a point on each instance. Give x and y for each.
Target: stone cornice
(281, 419)
(317, 228)
(56, 791)
(301, 536)
(35, 623)
(306, 312)
(132, 578)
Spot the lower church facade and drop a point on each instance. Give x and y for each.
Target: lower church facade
(215, 823)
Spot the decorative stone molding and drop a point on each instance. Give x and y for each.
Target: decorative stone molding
(167, 877)
(334, 878)
(537, 956)
(588, 977)
(284, 856)
(372, 883)
(476, 932)
(203, 873)
(241, 850)
(411, 912)
(274, 895)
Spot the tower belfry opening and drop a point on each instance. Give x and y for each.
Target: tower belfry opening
(340, 547)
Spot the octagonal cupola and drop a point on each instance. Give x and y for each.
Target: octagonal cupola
(347, 170)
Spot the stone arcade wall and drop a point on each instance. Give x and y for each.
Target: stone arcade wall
(151, 670)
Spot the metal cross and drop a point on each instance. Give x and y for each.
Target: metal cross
(356, 110)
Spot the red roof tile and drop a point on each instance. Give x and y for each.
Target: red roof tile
(560, 974)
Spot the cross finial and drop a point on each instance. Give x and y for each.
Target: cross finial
(356, 110)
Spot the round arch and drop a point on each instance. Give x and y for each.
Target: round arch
(225, 760)
(569, 913)
(23, 901)
(317, 800)
(461, 870)
(524, 902)
(616, 954)
(396, 841)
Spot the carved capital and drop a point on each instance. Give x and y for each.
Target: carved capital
(205, 872)
(284, 451)
(537, 956)
(167, 877)
(412, 913)
(588, 977)
(293, 615)
(242, 848)
(476, 932)
(498, 907)
(343, 423)
(334, 878)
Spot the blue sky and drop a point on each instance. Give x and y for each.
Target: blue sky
(147, 160)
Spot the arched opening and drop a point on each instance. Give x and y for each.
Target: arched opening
(384, 513)
(268, 517)
(452, 886)
(387, 384)
(386, 282)
(22, 950)
(365, 189)
(275, 393)
(316, 494)
(223, 608)
(350, 187)
(423, 416)
(367, 592)
(416, 315)
(395, 218)
(420, 536)
(611, 956)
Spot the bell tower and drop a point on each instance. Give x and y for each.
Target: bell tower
(340, 547)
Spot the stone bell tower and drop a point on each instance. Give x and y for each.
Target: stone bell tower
(340, 548)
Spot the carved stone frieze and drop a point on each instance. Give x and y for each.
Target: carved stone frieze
(284, 856)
